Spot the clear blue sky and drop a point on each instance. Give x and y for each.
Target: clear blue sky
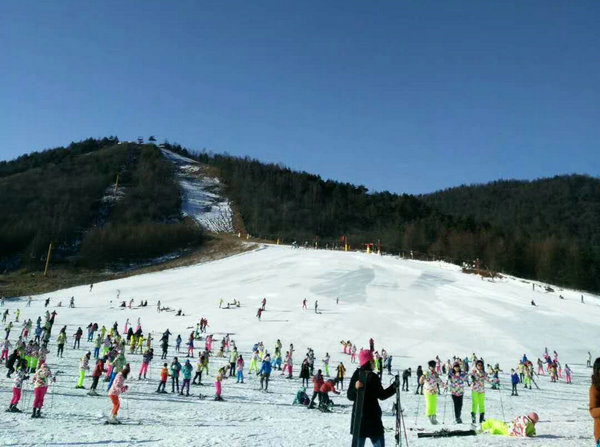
(406, 96)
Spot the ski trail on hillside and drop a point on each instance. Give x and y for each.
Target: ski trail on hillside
(202, 197)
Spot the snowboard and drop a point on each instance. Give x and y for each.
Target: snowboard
(446, 433)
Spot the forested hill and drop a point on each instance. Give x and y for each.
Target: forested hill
(563, 206)
(545, 230)
(69, 196)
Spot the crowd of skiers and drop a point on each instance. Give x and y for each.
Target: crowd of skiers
(107, 361)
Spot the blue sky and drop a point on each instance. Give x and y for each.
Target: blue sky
(405, 96)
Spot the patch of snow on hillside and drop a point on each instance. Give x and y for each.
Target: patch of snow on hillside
(202, 194)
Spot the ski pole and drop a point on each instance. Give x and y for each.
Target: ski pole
(445, 400)
(501, 404)
(418, 404)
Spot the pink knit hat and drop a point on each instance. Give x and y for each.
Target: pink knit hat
(534, 417)
(364, 357)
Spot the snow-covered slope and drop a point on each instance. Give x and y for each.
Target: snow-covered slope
(202, 194)
(415, 310)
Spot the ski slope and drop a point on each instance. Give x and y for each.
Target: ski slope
(202, 194)
(413, 309)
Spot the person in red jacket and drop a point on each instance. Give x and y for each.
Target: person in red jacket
(98, 370)
(317, 382)
(324, 393)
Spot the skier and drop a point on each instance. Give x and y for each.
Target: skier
(589, 359)
(40, 387)
(175, 368)
(233, 355)
(514, 378)
(190, 344)
(264, 303)
(456, 387)
(84, 365)
(568, 373)
(96, 374)
(366, 386)
(594, 402)
(405, 375)
(341, 373)
(60, 342)
(265, 373)
(146, 359)
(164, 376)
(431, 382)
(177, 343)
(419, 384)
(118, 387)
(304, 372)
(316, 306)
(324, 401)
(522, 426)
(72, 303)
(317, 382)
(221, 375)
(304, 307)
(326, 364)
(478, 379)
(16, 397)
(258, 313)
(186, 370)
(6, 345)
(77, 335)
(239, 367)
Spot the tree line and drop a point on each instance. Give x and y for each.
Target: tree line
(545, 230)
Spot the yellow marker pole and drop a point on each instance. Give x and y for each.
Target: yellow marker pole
(48, 259)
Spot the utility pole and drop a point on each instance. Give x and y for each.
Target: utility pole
(48, 259)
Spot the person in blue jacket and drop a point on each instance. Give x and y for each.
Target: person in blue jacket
(515, 381)
(265, 372)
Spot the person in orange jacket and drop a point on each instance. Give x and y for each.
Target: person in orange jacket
(164, 376)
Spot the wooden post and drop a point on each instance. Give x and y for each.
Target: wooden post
(117, 184)
(48, 259)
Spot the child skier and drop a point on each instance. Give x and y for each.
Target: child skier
(164, 376)
(431, 382)
(514, 377)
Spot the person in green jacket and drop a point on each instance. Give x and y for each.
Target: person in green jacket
(60, 341)
(233, 356)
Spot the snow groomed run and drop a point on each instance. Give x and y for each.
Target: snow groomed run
(414, 310)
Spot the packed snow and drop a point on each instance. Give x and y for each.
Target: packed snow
(415, 310)
(203, 198)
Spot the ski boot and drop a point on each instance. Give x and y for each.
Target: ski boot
(473, 419)
(481, 417)
(458, 420)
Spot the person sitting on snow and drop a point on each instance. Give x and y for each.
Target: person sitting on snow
(522, 426)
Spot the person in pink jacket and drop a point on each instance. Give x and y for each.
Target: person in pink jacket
(40, 386)
(118, 387)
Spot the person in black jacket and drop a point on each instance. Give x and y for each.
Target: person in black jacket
(370, 425)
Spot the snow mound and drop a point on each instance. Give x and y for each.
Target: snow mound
(202, 194)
